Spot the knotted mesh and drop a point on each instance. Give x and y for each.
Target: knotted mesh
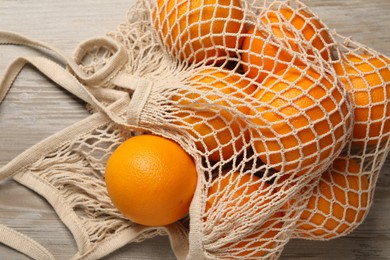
(287, 122)
(262, 92)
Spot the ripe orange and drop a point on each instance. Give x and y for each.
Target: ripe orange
(311, 29)
(206, 111)
(151, 180)
(234, 191)
(262, 57)
(367, 79)
(338, 203)
(302, 120)
(200, 30)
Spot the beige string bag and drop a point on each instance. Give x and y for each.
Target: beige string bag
(285, 145)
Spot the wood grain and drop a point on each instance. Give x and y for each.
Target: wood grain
(36, 108)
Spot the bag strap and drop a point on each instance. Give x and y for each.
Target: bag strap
(23, 244)
(118, 59)
(70, 79)
(75, 80)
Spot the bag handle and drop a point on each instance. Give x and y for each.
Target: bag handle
(75, 80)
(58, 73)
(70, 79)
(116, 61)
(23, 244)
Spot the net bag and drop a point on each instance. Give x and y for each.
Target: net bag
(286, 120)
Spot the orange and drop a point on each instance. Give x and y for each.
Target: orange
(293, 193)
(151, 180)
(232, 193)
(263, 56)
(338, 203)
(302, 119)
(206, 111)
(367, 79)
(200, 30)
(311, 29)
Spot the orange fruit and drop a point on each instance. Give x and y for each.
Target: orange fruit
(234, 191)
(151, 180)
(367, 79)
(302, 119)
(338, 203)
(206, 111)
(262, 57)
(292, 192)
(311, 29)
(200, 30)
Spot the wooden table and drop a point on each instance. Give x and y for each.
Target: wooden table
(35, 108)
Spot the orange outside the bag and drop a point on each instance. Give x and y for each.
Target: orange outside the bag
(151, 180)
(338, 203)
(200, 30)
(262, 57)
(208, 111)
(367, 79)
(234, 191)
(301, 123)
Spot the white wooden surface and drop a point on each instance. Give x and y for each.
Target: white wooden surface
(36, 108)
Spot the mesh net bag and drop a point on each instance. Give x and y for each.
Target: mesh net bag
(287, 122)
